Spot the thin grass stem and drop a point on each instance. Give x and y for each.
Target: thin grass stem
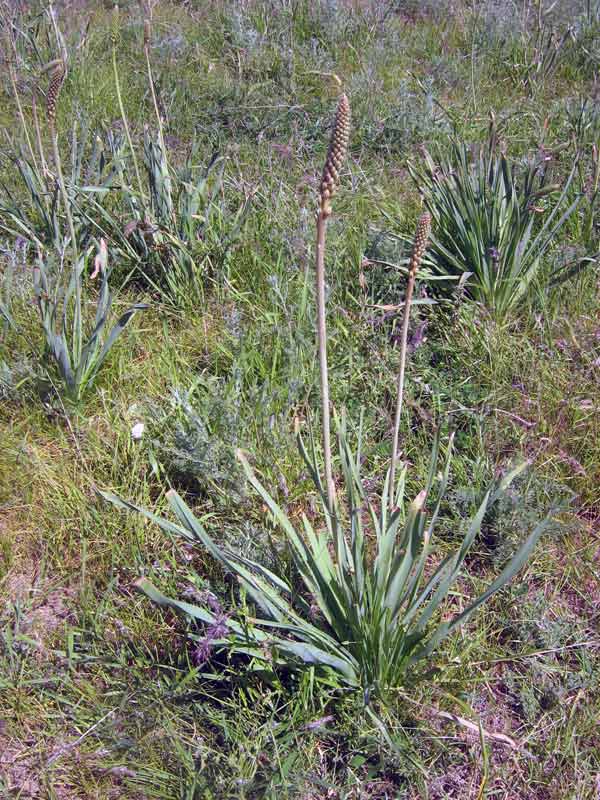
(420, 243)
(24, 126)
(121, 106)
(147, 32)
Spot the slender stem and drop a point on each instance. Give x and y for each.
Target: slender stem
(38, 139)
(154, 100)
(473, 65)
(125, 123)
(13, 83)
(322, 347)
(400, 390)
(59, 37)
(21, 115)
(74, 248)
(63, 191)
(160, 126)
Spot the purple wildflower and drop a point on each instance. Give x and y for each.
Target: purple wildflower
(418, 336)
(214, 631)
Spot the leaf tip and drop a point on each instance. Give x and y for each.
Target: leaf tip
(419, 500)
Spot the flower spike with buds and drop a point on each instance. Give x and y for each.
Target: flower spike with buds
(418, 251)
(57, 77)
(115, 27)
(420, 242)
(338, 146)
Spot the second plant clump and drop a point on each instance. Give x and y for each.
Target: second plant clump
(485, 214)
(74, 348)
(364, 601)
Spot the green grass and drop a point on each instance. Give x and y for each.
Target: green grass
(99, 692)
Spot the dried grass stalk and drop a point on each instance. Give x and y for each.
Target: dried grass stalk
(115, 36)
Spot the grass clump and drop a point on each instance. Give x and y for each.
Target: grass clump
(365, 615)
(166, 222)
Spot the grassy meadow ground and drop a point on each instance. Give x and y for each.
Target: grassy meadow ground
(100, 696)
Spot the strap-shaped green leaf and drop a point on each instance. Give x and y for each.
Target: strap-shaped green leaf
(508, 573)
(454, 566)
(404, 562)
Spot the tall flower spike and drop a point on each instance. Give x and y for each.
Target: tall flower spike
(57, 78)
(420, 242)
(147, 33)
(338, 147)
(115, 28)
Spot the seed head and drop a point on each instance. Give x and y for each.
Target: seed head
(57, 77)
(338, 147)
(115, 29)
(420, 242)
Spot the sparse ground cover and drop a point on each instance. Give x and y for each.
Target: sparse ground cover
(102, 693)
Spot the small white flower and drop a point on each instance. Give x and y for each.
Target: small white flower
(137, 431)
